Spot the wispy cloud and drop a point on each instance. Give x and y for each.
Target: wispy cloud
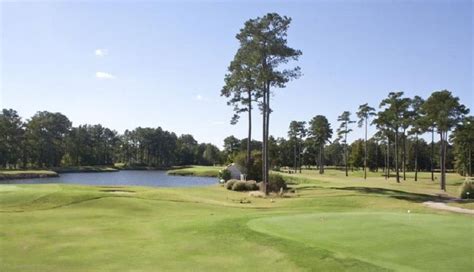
(100, 52)
(104, 75)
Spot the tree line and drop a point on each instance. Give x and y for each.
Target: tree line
(49, 140)
(396, 146)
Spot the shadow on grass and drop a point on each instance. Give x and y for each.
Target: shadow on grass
(413, 197)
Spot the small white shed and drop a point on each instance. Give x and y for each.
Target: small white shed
(235, 173)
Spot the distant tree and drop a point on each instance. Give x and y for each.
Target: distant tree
(211, 154)
(264, 42)
(417, 126)
(445, 111)
(187, 149)
(320, 131)
(293, 132)
(364, 113)
(45, 134)
(395, 108)
(383, 125)
(343, 131)
(357, 153)
(11, 138)
(463, 139)
(334, 154)
(302, 131)
(231, 145)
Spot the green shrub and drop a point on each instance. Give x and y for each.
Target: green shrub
(255, 170)
(230, 183)
(275, 183)
(467, 190)
(251, 185)
(240, 185)
(224, 174)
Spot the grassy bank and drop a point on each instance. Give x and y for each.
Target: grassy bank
(333, 224)
(196, 170)
(26, 174)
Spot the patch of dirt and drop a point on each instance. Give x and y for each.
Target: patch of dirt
(444, 207)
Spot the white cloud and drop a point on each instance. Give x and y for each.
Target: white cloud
(104, 75)
(101, 52)
(199, 97)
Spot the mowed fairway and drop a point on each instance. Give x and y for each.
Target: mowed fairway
(333, 224)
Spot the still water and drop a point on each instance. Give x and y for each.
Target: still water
(135, 177)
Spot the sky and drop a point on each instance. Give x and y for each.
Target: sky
(125, 64)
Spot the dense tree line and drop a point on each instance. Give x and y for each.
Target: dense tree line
(396, 147)
(49, 140)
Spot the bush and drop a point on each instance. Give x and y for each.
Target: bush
(467, 190)
(228, 185)
(241, 185)
(224, 174)
(275, 183)
(255, 170)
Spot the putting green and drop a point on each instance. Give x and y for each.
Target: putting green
(399, 241)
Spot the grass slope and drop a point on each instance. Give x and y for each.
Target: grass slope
(197, 170)
(330, 226)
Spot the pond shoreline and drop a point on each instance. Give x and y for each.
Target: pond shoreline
(24, 175)
(195, 171)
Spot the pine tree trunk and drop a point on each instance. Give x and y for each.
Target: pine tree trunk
(397, 170)
(442, 163)
(416, 158)
(365, 157)
(267, 162)
(345, 151)
(264, 115)
(321, 167)
(432, 154)
(404, 158)
(249, 136)
(299, 154)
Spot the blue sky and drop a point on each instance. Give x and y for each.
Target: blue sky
(153, 63)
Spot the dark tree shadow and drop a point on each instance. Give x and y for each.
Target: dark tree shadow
(413, 197)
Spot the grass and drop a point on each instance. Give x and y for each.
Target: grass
(334, 224)
(196, 170)
(16, 174)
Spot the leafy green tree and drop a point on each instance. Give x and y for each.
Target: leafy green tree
(263, 42)
(231, 145)
(342, 132)
(45, 134)
(321, 132)
(364, 113)
(463, 139)
(445, 111)
(395, 108)
(211, 154)
(11, 138)
(357, 153)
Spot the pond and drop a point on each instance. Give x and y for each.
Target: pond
(130, 177)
